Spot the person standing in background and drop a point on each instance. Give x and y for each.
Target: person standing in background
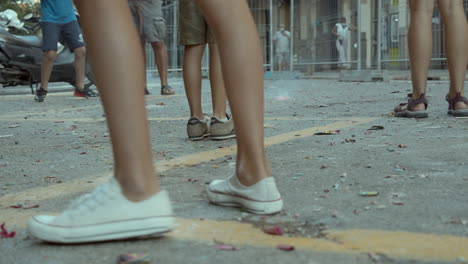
(194, 35)
(59, 21)
(420, 50)
(341, 31)
(282, 39)
(151, 26)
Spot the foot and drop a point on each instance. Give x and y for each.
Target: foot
(260, 198)
(458, 105)
(198, 129)
(105, 214)
(221, 129)
(147, 92)
(85, 92)
(167, 90)
(41, 94)
(415, 108)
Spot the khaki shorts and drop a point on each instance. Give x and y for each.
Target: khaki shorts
(193, 27)
(147, 15)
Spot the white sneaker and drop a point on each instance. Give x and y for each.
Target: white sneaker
(260, 198)
(105, 214)
(198, 129)
(221, 129)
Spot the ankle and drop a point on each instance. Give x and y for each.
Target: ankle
(250, 175)
(417, 95)
(220, 115)
(136, 191)
(453, 94)
(199, 116)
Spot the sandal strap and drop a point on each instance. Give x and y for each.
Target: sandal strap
(413, 102)
(457, 99)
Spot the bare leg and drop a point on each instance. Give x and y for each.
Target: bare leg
(47, 67)
(80, 61)
(456, 39)
(218, 92)
(115, 76)
(241, 61)
(161, 59)
(143, 50)
(420, 45)
(193, 78)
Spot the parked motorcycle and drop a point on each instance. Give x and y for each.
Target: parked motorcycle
(21, 56)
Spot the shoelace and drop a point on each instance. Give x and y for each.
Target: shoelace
(90, 201)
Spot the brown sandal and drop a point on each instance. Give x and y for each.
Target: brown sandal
(452, 102)
(409, 112)
(167, 90)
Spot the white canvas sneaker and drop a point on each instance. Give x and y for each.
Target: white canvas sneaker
(105, 214)
(260, 198)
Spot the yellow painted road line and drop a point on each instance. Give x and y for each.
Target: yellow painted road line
(403, 245)
(393, 244)
(38, 194)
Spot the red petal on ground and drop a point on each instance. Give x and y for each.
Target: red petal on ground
(227, 247)
(5, 234)
(31, 206)
(273, 230)
(285, 247)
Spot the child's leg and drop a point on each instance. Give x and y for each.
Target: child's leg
(456, 39)
(117, 62)
(420, 45)
(241, 61)
(193, 78)
(118, 65)
(218, 92)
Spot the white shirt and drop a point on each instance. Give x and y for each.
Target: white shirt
(282, 41)
(342, 30)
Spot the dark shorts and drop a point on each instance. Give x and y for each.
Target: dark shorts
(193, 28)
(147, 15)
(70, 33)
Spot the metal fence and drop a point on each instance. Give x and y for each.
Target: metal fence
(377, 37)
(261, 10)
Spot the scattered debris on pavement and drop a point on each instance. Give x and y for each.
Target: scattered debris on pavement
(5, 234)
(325, 133)
(374, 257)
(402, 146)
(225, 247)
(133, 258)
(376, 128)
(368, 194)
(285, 247)
(24, 206)
(273, 230)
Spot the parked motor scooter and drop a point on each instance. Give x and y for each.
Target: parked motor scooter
(21, 56)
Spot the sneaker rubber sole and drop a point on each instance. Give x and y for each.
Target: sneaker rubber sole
(253, 206)
(118, 230)
(223, 137)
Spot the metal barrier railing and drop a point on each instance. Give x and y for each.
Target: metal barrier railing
(377, 38)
